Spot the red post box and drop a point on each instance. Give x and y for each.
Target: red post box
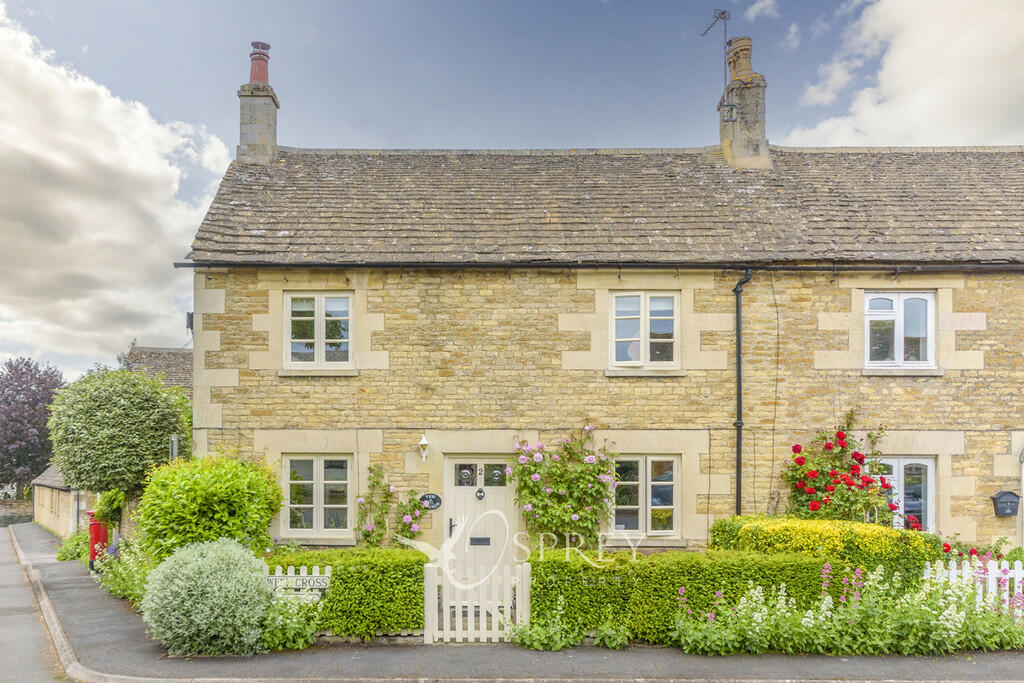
(97, 536)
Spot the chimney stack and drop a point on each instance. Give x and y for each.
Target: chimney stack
(257, 140)
(741, 111)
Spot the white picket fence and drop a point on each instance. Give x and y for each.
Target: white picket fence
(991, 578)
(302, 584)
(479, 605)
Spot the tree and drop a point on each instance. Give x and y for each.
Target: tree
(26, 389)
(111, 427)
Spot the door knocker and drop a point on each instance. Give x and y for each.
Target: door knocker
(480, 494)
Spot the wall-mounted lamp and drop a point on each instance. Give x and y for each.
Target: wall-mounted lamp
(424, 447)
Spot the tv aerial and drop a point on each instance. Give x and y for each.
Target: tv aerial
(724, 16)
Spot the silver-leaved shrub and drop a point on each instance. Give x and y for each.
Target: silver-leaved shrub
(208, 598)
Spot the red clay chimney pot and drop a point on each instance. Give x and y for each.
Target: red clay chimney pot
(258, 61)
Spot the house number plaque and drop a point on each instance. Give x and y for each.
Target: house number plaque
(431, 501)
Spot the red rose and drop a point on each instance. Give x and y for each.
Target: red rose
(810, 491)
(799, 460)
(886, 486)
(801, 484)
(813, 474)
(859, 457)
(828, 445)
(999, 557)
(866, 480)
(827, 500)
(840, 435)
(915, 527)
(894, 507)
(973, 552)
(830, 488)
(961, 554)
(946, 547)
(814, 506)
(797, 448)
(841, 443)
(833, 473)
(854, 469)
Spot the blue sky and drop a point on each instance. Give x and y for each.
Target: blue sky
(118, 118)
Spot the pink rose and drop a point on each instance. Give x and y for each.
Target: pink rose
(535, 476)
(538, 457)
(575, 517)
(508, 470)
(406, 518)
(590, 460)
(414, 527)
(528, 507)
(555, 457)
(523, 460)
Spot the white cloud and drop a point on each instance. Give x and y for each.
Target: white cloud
(89, 215)
(768, 8)
(792, 39)
(820, 27)
(946, 76)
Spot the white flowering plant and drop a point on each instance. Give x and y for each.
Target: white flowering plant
(869, 615)
(564, 490)
(290, 624)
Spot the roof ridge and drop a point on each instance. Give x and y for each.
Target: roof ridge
(903, 148)
(568, 151)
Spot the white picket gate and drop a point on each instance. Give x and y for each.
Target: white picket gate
(992, 578)
(480, 606)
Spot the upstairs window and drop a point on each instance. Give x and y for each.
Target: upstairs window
(645, 330)
(899, 329)
(319, 330)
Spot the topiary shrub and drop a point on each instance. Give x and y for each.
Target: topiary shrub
(110, 427)
(208, 599)
(844, 544)
(206, 499)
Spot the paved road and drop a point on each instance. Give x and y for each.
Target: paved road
(25, 650)
(108, 636)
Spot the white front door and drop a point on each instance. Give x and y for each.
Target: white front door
(480, 514)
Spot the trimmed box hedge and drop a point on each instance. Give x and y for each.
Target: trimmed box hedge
(843, 543)
(372, 590)
(643, 593)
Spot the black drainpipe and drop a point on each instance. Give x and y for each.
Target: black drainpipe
(738, 291)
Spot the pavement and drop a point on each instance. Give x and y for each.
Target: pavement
(101, 638)
(26, 653)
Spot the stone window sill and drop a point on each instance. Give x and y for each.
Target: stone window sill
(903, 372)
(318, 372)
(641, 542)
(644, 372)
(334, 541)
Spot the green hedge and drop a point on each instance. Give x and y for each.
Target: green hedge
(644, 593)
(844, 544)
(372, 590)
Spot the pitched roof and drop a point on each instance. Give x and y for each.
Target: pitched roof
(498, 208)
(51, 478)
(175, 364)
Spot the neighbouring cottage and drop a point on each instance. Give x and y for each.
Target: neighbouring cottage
(63, 509)
(423, 309)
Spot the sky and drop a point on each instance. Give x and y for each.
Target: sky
(117, 119)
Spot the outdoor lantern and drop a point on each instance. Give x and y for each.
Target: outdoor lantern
(1006, 503)
(424, 447)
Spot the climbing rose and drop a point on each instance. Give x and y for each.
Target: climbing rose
(840, 436)
(946, 547)
(535, 476)
(894, 507)
(814, 505)
(854, 469)
(528, 507)
(391, 489)
(414, 527)
(523, 460)
(799, 460)
(537, 457)
(813, 474)
(801, 484)
(841, 444)
(575, 517)
(797, 448)
(833, 473)
(830, 488)
(590, 460)
(973, 552)
(406, 518)
(859, 457)
(810, 491)
(828, 445)
(508, 470)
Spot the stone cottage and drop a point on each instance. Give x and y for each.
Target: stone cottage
(705, 307)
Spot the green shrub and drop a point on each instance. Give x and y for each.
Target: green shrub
(372, 590)
(207, 599)
(124, 570)
(74, 547)
(290, 624)
(843, 543)
(109, 506)
(110, 427)
(206, 499)
(643, 594)
(1015, 555)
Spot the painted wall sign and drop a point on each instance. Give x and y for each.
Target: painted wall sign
(431, 501)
